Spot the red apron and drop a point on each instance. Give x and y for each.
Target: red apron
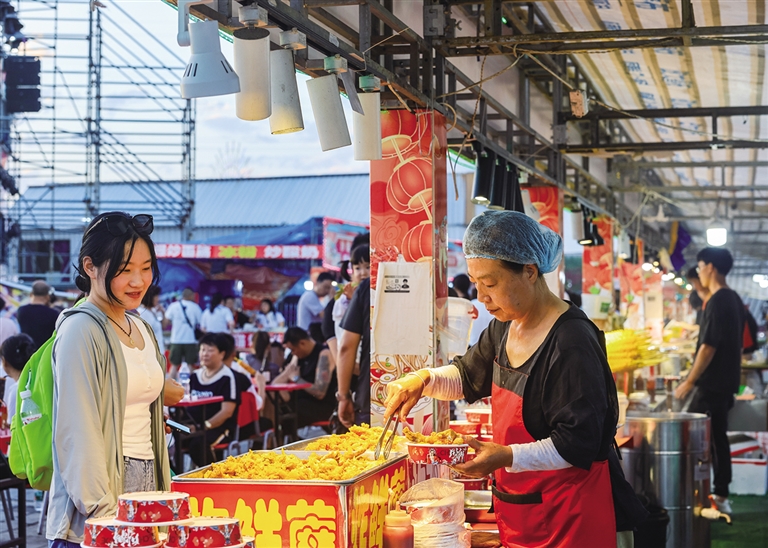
(569, 508)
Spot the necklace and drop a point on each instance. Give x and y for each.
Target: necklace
(127, 333)
(209, 376)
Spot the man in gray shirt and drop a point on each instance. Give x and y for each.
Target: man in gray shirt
(310, 309)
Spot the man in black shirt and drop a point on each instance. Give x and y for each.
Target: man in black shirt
(716, 371)
(312, 364)
(37, 319)
(356, 330)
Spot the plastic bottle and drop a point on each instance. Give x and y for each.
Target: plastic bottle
(29, 411)
(398, 531)
(184, 374)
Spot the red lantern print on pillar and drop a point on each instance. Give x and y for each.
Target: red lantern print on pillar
(417, 244)
(410, 188)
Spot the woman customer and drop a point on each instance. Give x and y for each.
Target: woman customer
(217, 318)
(268, 318)
(15, 353)
(108, 432)
(152, 312)
(260, 360)
(554, 407)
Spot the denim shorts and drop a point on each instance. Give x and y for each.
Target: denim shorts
(139, 475)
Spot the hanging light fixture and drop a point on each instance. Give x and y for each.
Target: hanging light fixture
(577, 224)
(596, 237)
(252, 57)
(717, 234)
(208, 73)
(329, 114)
(485, 168)
(284, 93)
(624, 246)
(367, 127)
(515, 201)
(588, 236)
(499, 186)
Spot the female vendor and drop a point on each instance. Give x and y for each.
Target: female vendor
(554, 400)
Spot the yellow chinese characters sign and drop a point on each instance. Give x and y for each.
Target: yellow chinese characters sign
(298, 515)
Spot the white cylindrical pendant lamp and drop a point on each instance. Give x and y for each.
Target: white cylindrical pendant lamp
(367, 127)
(286, 107)
(207, 73)
(252, 66)
(329, 114)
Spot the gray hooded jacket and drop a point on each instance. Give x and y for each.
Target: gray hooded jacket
(89, 396)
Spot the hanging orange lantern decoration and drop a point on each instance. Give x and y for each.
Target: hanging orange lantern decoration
(409, 189)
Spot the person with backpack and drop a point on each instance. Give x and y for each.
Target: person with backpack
(108, 379)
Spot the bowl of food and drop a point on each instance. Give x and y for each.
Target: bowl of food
(473, 484)
(465, 427)
(479, 415)
(446, 447)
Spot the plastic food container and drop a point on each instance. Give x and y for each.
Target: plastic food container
(219, 532)
(482, 416)
(466, 428)
(425, 453)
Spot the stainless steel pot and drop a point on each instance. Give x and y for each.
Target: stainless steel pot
(668, 462)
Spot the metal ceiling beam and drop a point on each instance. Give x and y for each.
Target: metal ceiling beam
(707, 164)
(673, 146)
(694, 189)
(602, 113)
(603, 40)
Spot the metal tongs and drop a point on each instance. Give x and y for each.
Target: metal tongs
(388, 445)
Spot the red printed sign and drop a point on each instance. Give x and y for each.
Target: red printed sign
(203, 251)
(296, 514)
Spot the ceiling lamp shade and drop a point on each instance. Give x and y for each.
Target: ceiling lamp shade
(514, 196)
(251, 47)
(329, 114)
(577, 224)
(499, 186)
(597, 240)
(208, 72)
(717, 234)
(485, 168)
(286, 108)
(624, 245)
(588, 233)
(367, 127)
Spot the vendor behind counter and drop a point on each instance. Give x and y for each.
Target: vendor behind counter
(558, 482)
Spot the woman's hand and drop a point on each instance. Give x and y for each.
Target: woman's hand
(173, 393)
(403, 393)
(488, 458)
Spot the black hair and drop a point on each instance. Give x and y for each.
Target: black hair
(359, 255)
(216, 299)
(323, 276)
(270, 303)
(227, 344)
(213, 339)
(462, 283)
(294, 335)
(152, 292)
(696, 301)
(16, 350)
(261, 344)
(718, 257)
(227, 297)
(105, 248)
(693, 274)
(2, 303)
(361, 239)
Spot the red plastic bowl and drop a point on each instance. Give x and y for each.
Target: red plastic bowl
(466, 428)
(473, 484)
(481, 416)
(425, 453)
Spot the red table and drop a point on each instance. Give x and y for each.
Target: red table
(5, 440)
(273, 391)
(179, 412)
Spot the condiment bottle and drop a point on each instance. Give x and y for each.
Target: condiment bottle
(398, 531)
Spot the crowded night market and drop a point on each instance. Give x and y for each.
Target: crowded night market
(383, 274)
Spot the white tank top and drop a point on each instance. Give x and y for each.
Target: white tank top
(145, 383)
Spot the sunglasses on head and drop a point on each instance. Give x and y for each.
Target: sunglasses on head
(119, 224)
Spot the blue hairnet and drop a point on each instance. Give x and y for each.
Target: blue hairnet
(514, 237)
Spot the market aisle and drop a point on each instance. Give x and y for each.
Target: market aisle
(750, 528)
(33, 539)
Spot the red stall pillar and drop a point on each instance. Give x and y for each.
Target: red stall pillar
(409, 221)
